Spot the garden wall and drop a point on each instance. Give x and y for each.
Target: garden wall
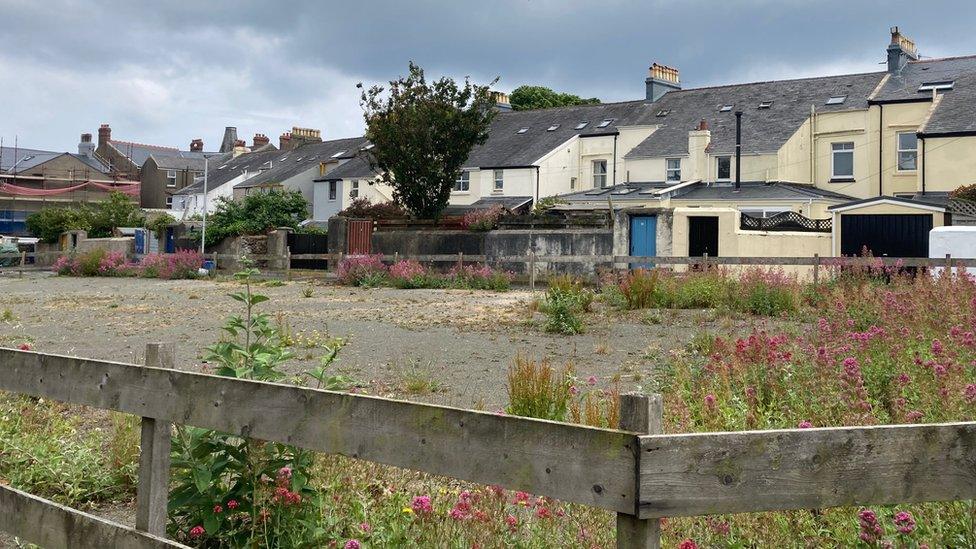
(554, 242)
(427, 242)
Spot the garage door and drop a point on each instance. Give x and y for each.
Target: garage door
(889, 235)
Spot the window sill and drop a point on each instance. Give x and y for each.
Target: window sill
(460, 192)
(906, 172)
(498, 191)
(841, 180)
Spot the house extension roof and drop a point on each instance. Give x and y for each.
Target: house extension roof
(27, 159)
(288, 164)
(764, 130)
(138, 153)
(507, 148)
(354, 168)
(177, 162)
(760, 190)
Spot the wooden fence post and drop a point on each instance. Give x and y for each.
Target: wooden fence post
(816, 269)
(460, 261)
(948, 264)
(152, 493)
(396, 257)
(643, 414)
(23, 261)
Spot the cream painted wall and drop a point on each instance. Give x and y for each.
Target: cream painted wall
(900, 117)
(733, 242)
(951, 162)
(810, 208)
(755, 167)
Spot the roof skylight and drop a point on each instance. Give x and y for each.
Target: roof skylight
(938, 85)
(605, 123)
(836, 100)
(338, 154)
(367, 147)
(581, 125)
(552, 128)
(765, 104)
(522, 130)
(725, 108)
(663, 112)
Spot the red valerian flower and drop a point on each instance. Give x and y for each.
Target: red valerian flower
(197, 531)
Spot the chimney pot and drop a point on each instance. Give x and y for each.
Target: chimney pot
(104, 134)
(702, 124)
(284, 141)
(901, 50)
(260, 140)
(196, 145)
(661, 79)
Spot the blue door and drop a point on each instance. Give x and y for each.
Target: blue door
(170, 240)
(643, 238)
(140, 241)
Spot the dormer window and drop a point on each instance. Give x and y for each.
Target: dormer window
(581, 125)
(836, 100)
(605, 123)
(522, 130)
(941, 85)
(552, 128)
(725, 108)
(663, 112)
(765, 104)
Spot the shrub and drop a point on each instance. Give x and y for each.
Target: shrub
(536, 389)
(407, 274)
(483, 219)
(564, 302)
(362, 270)
(699, 290)
(362, 207)
(474, 277)
(766, 292)
(641, 289)
(256, 214)
(99, 218)
(100, 262)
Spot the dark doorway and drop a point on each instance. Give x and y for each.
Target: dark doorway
(308, 244)
(892, 235)
(702, 236)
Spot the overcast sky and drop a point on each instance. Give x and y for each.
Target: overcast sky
(165, 72)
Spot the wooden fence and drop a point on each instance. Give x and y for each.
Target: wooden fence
(637, 472)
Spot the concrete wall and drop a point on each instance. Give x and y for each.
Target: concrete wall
(950, 162)
(125, 245)
(549, 242)
(420, 242)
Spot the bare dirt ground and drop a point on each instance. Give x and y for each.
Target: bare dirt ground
(445, 346)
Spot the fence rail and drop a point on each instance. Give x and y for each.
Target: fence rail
(638, 473)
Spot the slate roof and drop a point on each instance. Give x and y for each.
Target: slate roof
(290, 163)
(916, 200)
(623, 192)
(175, 162)
(507, 148)
(29, 158)
(221, 173)
(956, 112)
(138, 153)
(763, 130)
(761, 191)
(354, 168)
(10, 155)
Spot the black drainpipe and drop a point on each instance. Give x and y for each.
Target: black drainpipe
(880, 149)
(536, 186)
(738, 149)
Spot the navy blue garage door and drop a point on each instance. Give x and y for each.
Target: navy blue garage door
(891, 235)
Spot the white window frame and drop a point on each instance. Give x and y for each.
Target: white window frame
(333, 190)
(668, 170)
(899, 150)
(354, 189)
(169, 202)
(499, 176)
(462, 183)
(599, 179)
(834, 151)
(763, 212)
(171, 178)
(718, 162)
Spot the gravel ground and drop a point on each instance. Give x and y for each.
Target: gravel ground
(445, 346)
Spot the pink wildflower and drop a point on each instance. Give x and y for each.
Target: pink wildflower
(218, 509)
(870, 529)
(365, 527)
(914, 416)
(24, 347)
(805, 424)
(511, 521)
(591, 380)
(970, 393)
(351, 544)
(710, 401)
(197, 531)
(422, 505)
(232, 504)
(904, 522)
(284, 473)
(688, 544)
(573, 390)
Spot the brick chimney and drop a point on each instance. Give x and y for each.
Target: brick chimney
(260, 140)
(86, 147)
(702, 125)
(660, 80)
(104, 134)
(301, 136)
(284, 141)
(196, 145)
(901, 50)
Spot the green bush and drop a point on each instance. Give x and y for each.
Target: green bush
(536, 389)
(256, 214)
(565, 300)
(766, 300)
(99, 218)
(700, 291)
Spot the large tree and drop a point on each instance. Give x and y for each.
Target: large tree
(540, 97)
(422, 134)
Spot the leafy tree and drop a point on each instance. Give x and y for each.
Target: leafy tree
(422, 133)
(540, 97)
(99, 219)
(965, 192)
(256, 214)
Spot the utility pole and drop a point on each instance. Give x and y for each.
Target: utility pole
(203, 234)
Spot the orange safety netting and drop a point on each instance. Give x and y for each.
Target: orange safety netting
(131, 189)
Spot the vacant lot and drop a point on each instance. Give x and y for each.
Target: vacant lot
(445, 346)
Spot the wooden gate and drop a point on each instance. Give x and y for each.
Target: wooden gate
(308, 244)
(360, 233)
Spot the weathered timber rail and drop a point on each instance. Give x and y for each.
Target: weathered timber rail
(637, 472)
